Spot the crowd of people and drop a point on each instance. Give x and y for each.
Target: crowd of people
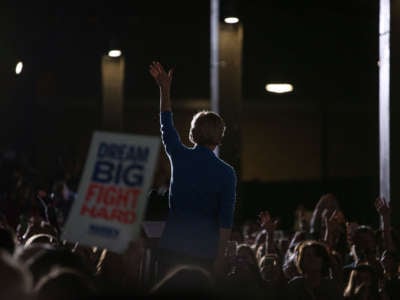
(324, 257)
(202, 253)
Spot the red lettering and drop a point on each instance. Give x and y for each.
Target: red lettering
(134, 197)
(113, 196)
(109, 195)
(85, 210)
(93, 191)
(126, 217)
(122, 197)
(111, 203)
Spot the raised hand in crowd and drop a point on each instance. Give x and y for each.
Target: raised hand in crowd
(270, 225)
(335, 226)
(266, 222)
(383, 209)
(326, 205)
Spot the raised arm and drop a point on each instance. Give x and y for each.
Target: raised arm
(169, 135)
(383, 209)
(163, 80)
(270, 225)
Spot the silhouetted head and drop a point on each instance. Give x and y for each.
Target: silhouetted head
(313, 256)
(207, 129)
(44, 260)
(64, 284)
(15, 278)
(184, 280)
(364, 243)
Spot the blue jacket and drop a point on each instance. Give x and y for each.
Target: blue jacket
(202, 196)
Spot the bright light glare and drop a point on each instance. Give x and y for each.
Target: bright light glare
(231, 20)
(279, 88)
(114, 53)
(19, 67)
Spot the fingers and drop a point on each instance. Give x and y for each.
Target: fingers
(378, 204)
(380, 200)
(153, 72)
(157, 67)
(158, 72)
(154, 68)
(381, 205)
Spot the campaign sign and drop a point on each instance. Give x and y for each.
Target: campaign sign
(112, 194)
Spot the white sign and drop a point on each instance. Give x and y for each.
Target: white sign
(112, 195)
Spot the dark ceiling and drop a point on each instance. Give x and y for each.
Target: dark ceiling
(327, 49)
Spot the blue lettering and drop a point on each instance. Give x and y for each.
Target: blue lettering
(103, 172)
(102, 152)
(123, 152)
(118, 174)
(109, 172)
(137, 153)
(104, 231)
(133, 176)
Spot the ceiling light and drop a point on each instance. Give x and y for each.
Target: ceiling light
(279, 88)
(19, 67)
(114, 53)
(231, 20)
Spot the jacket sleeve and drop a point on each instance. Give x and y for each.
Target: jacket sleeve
(169, 136)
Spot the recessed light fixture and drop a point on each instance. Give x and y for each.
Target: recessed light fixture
(114, 53)
(231, 20)
(279, 88)
(19, 67)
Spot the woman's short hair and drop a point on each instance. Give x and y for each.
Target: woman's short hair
(207, 128)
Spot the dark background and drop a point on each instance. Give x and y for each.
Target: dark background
(325, 50)
(328, 50)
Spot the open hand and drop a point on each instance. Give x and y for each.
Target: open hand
(267, 222)
(334, 224)
(162, 78)
(382, 207)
